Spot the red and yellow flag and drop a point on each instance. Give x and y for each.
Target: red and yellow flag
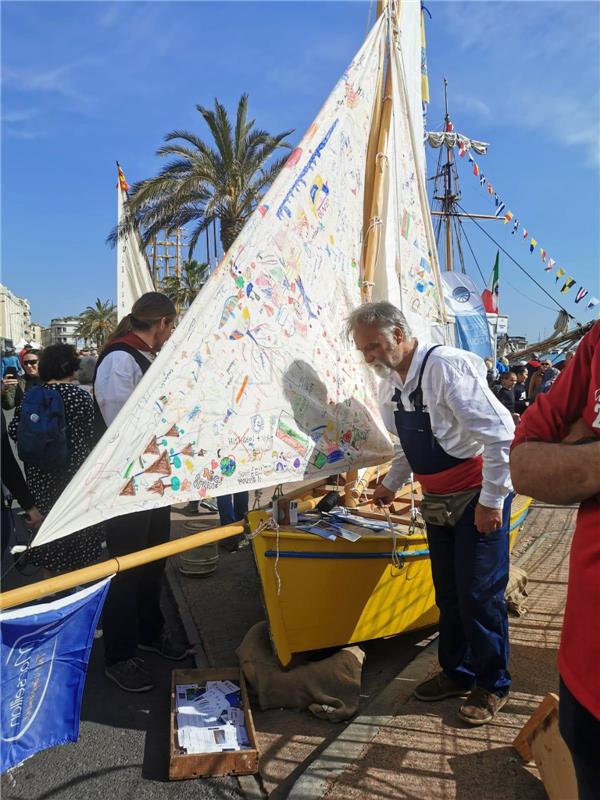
(122, 182)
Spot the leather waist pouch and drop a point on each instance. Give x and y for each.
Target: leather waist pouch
(446, 509)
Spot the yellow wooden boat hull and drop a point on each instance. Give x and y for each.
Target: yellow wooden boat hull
(320, 594)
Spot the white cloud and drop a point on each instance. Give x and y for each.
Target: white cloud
(544, 57)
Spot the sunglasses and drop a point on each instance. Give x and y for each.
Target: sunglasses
(30, 363)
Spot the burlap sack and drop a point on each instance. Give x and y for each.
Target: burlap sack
(329, 689)
(516, 593)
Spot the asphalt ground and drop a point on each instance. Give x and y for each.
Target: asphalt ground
(123, 747)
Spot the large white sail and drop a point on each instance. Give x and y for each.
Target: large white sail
(407, 269)
(133, 275)
(258, 385)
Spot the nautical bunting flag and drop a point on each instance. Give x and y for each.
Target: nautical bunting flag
(490, 295)
(462, 148)
(45, 649)
(508, 217)
(470, 157)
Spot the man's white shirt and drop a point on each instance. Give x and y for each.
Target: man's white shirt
(116, 378)
(466, 418)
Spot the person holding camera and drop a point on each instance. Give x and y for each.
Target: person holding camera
(14, 386)
(455, 438)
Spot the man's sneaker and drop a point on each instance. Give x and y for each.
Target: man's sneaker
(481, 706)
(167, 648)
(130, 675)
(209, 505)
(438, 688)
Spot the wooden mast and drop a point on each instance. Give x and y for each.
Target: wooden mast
(373, 199)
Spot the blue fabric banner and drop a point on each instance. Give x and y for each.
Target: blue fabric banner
(45, 650)
(463, 299)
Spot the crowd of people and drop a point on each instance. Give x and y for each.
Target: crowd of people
(517, 385)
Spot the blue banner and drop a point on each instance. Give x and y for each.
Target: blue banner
(464, 301)
(45, 650)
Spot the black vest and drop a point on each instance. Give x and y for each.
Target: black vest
(143, 363)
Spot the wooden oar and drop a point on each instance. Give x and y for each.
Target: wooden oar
(26, 594)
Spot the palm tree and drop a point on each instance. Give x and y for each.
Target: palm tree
(224, 180)
(183, 288)
(97, 322)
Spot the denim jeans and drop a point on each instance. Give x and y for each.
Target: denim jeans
(232, 507)
(470, 573)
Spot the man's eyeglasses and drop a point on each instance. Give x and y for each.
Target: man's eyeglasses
(30, 363)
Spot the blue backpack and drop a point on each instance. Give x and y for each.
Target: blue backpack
(42, 432)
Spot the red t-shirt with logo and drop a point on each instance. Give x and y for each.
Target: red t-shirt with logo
(576, 394)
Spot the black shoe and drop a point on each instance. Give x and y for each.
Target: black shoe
(130, 675)
(191, 510)
(439, 688)
(167, 648)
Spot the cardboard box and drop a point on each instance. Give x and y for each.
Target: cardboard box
(200, 765)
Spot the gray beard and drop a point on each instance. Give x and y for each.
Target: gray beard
(381, 370)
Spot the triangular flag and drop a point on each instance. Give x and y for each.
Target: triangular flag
(500, 209)
(152, 447)
(532, 245)
(462, 148)
(515, 226)
(490, 295)
(559, 273)
(490, 188)
(162, 465)
(525, 233)
(508, 216)
(475, 169)
(482, 180)
(123, 185)
(471, 159)
(581, 293)
(593, 302)
(551, 263)
(543, 254)
(568, 283)
(129, 488)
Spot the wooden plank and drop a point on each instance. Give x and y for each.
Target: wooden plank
(521, 743)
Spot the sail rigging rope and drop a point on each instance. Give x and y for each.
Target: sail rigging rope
(506, 253)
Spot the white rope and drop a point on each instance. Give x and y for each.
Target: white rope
(396, 560)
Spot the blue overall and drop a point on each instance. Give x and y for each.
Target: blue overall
(470, 569)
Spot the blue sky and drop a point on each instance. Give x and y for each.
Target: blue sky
(84, 84)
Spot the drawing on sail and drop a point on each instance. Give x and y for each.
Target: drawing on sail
(258, 385)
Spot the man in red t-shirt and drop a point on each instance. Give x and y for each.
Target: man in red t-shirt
(555, 458)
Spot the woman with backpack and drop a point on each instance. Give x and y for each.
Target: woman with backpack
(54, 428)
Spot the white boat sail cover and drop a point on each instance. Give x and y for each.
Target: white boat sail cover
(407, 269)
(133, 275)
(453, 139)
(258, 385)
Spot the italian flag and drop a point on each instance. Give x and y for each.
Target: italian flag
(490, 295)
